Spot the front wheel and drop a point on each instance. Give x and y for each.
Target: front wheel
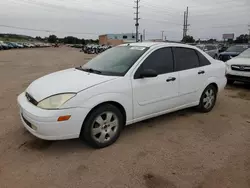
(208, 99)
(103, 126)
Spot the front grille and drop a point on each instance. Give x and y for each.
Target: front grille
(226, 57)
(244, 68)
(31, 99)
(238, 78)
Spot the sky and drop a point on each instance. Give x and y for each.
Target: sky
(91, 18)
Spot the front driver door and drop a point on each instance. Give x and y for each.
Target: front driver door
(157, 94)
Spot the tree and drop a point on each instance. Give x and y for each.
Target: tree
(242, 39)
(188, 39)
(52, 39)
(39, 38)
(83, 41)
(211, 40)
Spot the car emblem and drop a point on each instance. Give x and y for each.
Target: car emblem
(242, 68)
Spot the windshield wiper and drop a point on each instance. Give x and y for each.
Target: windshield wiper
(89, 70)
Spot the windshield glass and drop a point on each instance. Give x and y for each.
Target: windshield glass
(245, 54)
(116, 61)
(201, 47)
(237, 49)
(209, 47)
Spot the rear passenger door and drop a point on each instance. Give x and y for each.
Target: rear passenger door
(191, 74)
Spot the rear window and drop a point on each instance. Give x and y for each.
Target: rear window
(203, 60)
(185, 58)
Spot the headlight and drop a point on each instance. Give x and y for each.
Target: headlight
(55, 101)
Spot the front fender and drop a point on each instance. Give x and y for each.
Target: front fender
(93, 101)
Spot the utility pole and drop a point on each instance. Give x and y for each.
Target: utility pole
(144, 34)
(249, 34)
(137, 20)
(184, 24)
(162, 33)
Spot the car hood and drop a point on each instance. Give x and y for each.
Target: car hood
(230, 53)
(70, 80)
(239, 61)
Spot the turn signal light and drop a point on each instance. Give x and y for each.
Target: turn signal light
(63, 118)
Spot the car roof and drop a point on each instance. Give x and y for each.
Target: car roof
(158, 44)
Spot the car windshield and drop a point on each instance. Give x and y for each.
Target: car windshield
(201, 47)
(245, 54)
(209, 47)
(115, 61)
(237, 49)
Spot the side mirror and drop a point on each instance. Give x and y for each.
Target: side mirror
(148, 73)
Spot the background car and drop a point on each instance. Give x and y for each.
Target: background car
(10, 45)
(232, 52)
(19, 45)
(210, 49)
(238, 68)
(4, 45)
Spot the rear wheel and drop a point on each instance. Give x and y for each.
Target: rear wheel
(103, 126)
(208, 99)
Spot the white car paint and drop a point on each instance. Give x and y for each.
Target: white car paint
(140, 98)
(81, 81)
(240, 62)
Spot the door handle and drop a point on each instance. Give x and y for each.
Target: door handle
(171, 79)
(201, 72)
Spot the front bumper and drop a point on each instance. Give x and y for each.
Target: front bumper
(43, 123)
(238, 78)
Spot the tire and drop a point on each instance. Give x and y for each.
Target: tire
(208, 99)
(230, 82)
(102, 126)
(215, 56)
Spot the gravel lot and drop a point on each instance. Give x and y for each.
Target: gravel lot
(184, 149)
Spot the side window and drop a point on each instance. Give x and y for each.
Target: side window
(203, 60)
(160, 60)
(185, 58)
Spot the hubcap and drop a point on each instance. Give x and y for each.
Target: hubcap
(209, 98)
(104, 127)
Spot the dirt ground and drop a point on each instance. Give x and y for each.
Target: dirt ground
(184, 149)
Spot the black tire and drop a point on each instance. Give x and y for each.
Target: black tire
(91, 123)
(203, 107)
(230, 82)
(215, 56)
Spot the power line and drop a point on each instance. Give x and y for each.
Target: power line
(46, 30)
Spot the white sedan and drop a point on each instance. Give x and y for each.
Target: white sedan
(121, 86)
(238, 68)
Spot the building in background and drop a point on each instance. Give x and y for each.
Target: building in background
(116, 39)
